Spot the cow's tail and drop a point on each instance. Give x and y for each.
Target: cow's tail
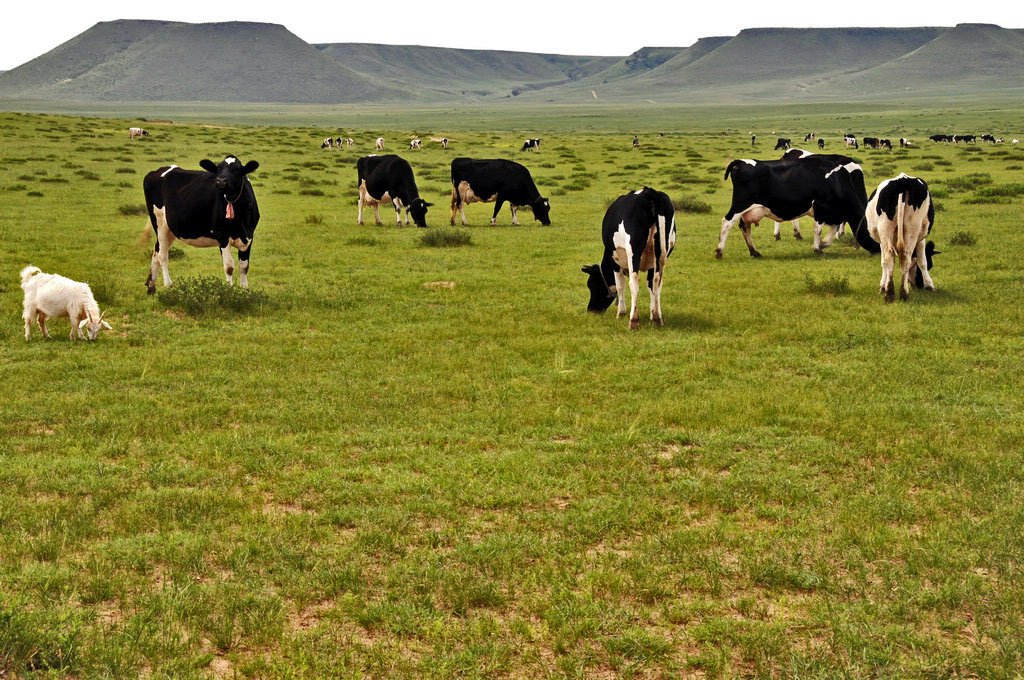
(27, 273)
(901, 203)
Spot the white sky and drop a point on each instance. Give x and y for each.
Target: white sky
(29, 29)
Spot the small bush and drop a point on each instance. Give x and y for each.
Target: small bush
(202, 295)
(1011, 190)
(314, 219)
(37, 194)
(944, 162)
(445, 238)
(691, 204)
(923, 167)
(132, 209)
(830, 284)
(963, 238)
(367, 241)
(311, 192)
(125, 171)
(17, 187)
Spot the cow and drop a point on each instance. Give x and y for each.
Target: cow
(828, 187)
(821, 143)
(444, 142)
(415, 144)
(339, 142)
(636, 141)
(988, 138)
(134, 132)
(885, 144)
(899, 216)
(639, 233)
(871, 142)
(941, 138)
(384, 179)
(809, 136)
(850, 141)
(753, 140)
(904, 142)
(380, 144)
(499, 180)
(215, 206)
(531, 145)
(973, 139)
(327, 143)
(783, 144)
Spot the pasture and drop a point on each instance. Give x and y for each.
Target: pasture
(401, 461)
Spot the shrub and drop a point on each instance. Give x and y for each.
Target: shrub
(202, 295)
(1011, 190)
(830, 284)
(125, 171)
(922, 167)
(963, 238)
(691, 204)
(445, 238)
(37, 194)
(132, 209)
(314, 219)
(311, 192)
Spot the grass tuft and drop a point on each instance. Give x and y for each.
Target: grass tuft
(963, 238)
(691, 204)
(445, 238)
(206, 294)
(131, 209)
(829, 284)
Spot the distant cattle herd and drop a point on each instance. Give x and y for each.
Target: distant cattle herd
(216, 206)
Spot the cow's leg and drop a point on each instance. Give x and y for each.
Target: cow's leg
(905, 273)
(243, 265)
(455, 204)
(888, 255)
(817, 238)
(778, 231)
(164, 239)
(497, 207)
(654, 280)
(727, 224)
(360, 220)
(398, 213)
(748, 237)
(229, 263)
(634, 291)
(515, 220)
(376, 215)
(462, 213)
(831, 236)
(922, 265)
(796, 231)
(620, 293)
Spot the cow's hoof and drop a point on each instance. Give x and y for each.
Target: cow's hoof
(634, 324)
(819, 251)
(150, 290)
(657, 321)
(718, 254)
(798, 236)
(904, 295)
(754, 253)
(778, 237)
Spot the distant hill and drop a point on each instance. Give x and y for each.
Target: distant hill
(468, 73)
(165, 61)
(254, 62)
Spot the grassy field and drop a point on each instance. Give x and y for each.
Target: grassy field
(358, 474)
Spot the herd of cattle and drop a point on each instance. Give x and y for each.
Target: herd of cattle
(216, 206)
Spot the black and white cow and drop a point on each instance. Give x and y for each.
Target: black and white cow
(415, 144)
(821, 143)
(531, 145)
(850, 141)
(973, 139)
(636, 141)
(941, 138)
(988, 138)
(899, 216)
(498, 180)
(444, 142)
(904, 142)
(828, 187)
(327, 143)
(384, 179)
(885, 144)
(134, 132)
(639, 233)
(809, 136)
(215, 206)
(783, 144)
(379, 144)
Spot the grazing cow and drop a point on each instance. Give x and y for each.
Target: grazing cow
(134, 132)
(809, 136)
(904, 142)
(215, 206)
(338, 143)
(327, 143)
(380, 144)
(899, 216)
(988, 138)
(828, 187)
(639, 233)
(444, 142)
(498, 180)
(973, 139)
(850, 141)
(384, 179)
(871, 142)
(531, 145)
(885, 144)
(753, 140)
(51, 296)
(783, 144)
(415, 144)
(636, 141)
(821, 143)
(941, 138)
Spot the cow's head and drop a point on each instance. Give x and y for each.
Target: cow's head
(601, 294)
(929, 252)
(541, 209)
(93, 325)
(230, 174)
(418, 210)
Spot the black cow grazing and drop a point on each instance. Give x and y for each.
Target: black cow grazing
(871, 142)
(531, 145)
(899, 216)
(212, 207)
(973, 139)
(639, 233)
(988, 138)
(783, 144)
(389, 179)
(885, 144)
(828, 187)
(499, 180)
(941, 138)
(821, 143)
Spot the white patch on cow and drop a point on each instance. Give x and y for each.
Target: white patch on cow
(165, 172)
(849, 167)
(748, 161)
(661, 233)
(623, 255)
(230, 159)
(638, 192)
(672, 235)
(164, 238)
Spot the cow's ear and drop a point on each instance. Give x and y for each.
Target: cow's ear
(427, 205)
(208, 165)
(250, 167)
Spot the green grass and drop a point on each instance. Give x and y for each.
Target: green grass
(373, 473)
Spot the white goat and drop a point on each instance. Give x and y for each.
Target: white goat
(49, 296)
